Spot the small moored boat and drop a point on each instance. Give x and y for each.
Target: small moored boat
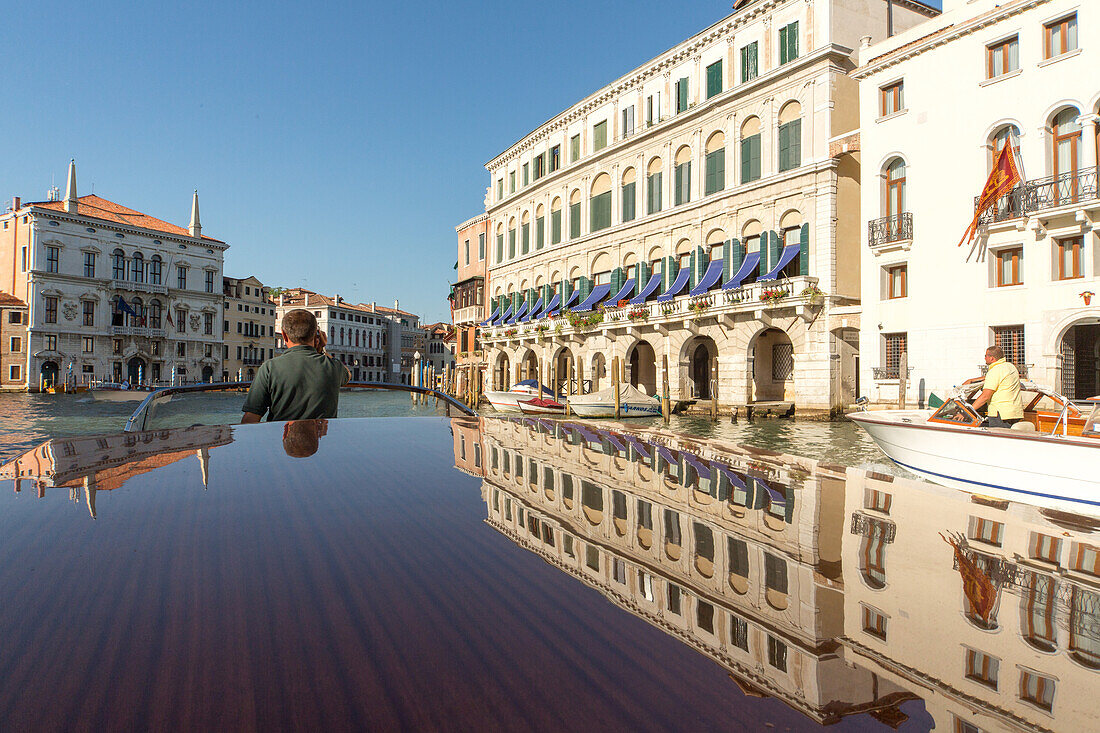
(509, 401)
(632, 403)
(545, 406)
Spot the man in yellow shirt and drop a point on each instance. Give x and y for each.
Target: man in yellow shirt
(1001, 390)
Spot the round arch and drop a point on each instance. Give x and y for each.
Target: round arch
(771, 366)
(601, 184)
(716, 141)
(654, 166)
(683, 155)
(790, 112)
(629, 175)
(696, 357)
(750, 127)
(641, 366)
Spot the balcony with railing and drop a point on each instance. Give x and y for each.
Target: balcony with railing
(138, 287)
(760, 299)
(470, 314)
(252, 360)
(1066, 189)
(156, 333)
(890, 229)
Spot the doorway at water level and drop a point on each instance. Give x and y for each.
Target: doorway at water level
(1081, 361)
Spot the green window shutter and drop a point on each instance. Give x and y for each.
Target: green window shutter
(555, 226)
(642, 277)
(628, 202)
(775, 247)
(575, 148)
(565, 291)
(525, 237)
(693, 268)
(746, 160)
(500, 248)
(574, 220)
(585, 289)
(792, 41)
(784, 147)
(540, 232)
(617, 280)
(682, 94)
(669, 275)
(599, 136)
(720, 169)
(763, 269)
(708, 174)
(755, 156)
(794, 143)
(601, 212)
(654, 194)
(682, 193)
(714, 79)
(804, 250)
(511, 244)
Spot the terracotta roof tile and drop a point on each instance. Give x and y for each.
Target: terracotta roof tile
(96, 207)
(7, 299)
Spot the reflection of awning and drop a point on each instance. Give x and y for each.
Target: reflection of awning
(733, 477)
(598, 293)
(710, 277)
(697, 463)
(615, 441)
(533, 313)
(552, 306)
(519, 313)
(625, 292)
(665, 453)
(789, 253)
(638, 446)
(774, 495)
(492, 315)
(586, 434)
(752, 261)
(649, 289)
(571, 299)
(505, 316)
(679, 284)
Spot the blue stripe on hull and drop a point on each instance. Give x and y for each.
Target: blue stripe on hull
(995, 486)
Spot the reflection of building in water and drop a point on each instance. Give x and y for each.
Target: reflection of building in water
(1034, 574)
(736, 554)
(468, 450)
(105, 462)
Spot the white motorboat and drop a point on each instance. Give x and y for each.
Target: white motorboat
(509, 401)
(632, 403)
(950, 447)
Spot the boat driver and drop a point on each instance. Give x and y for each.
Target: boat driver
(1001, 390)
(304, 382)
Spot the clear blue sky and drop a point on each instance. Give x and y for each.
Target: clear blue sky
(334, 146)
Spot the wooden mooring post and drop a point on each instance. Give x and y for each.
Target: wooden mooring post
(666, 402)
(714, 388)
(903, 378)
(615, 385)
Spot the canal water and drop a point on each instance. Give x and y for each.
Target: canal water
(28, 419)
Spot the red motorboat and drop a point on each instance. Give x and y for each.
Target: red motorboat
(538, 406)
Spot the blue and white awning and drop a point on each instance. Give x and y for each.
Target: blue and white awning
(552, 306)
(494, 314)
(504, 317)
(788, 254)
(598, 293)
(570, 299)
(752, 261)
(649, 289)
(624, 293)
(519, 313)
(678, 285)
(710, 277)
(533, 313)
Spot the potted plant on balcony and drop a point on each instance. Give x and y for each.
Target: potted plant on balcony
(541, 329)
(772, 295)
(638, 314)
(510, 332)
(813, 294)
(699, 305)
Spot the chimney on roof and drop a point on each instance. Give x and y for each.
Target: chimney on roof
(336, 299)
(195, 228)
(307, 298)
(373, 306)
(395, 305)
(281, 300)
(15, 202)
(70, 190)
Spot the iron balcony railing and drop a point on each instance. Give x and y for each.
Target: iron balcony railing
(1065, 189)
(157, 333)
(138, 287)
(897, 228)
(889, 372)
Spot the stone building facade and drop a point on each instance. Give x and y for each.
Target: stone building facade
(248, 328)
(359, 335)
(1020, 71)
(13, 343)
(113, 293)
(468, 296)
(697, 201)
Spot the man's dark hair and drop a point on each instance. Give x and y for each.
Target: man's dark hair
(996, 352)
(300, 326)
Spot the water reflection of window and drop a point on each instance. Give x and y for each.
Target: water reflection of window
(1044, 547)
(519, 467)
(878, 501)
(738, 558)
(986, 530)
(872, 555)
(592, 557)
(567, 490)
(1087, 560)
(739, 632)
(618, 512)
(567, 546)
(494, 458)
(645, 585)
(982, 668)
(591, 502)
(477, 455)
(462, 446)
(777, 653)
(674, 598)
(1038, 611)
(645, 524)
(618, 571)
(532, 474)
(704, 616)
(508, 509)
(704, 549)
(1084, 627)
(507, 464)
(548, 481)
(547, 534)
(496, 499)
(672, 534)
(874, 622)
(1037, 689)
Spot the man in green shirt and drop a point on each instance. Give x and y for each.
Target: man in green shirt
(301, 384)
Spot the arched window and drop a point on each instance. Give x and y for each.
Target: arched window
(750, 150)
(525, 233)
(555, 221)
(155, 312)
(715, 169)
(500, 243)
(716, 242)
(1084, 637)
(599, 205)
(139, 308)
(138, 268)
(155, 269)
(1037, 613)
(1006, 135)
(575, 214)
(682, 187)
(895, 188)
(341, 336)
(653, 186)
(540, 226)
(872, 555)
(118, 265)
(1066, 152)
(790, 136)
(630, 196)
(512, 238)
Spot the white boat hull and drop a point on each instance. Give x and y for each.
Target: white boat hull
(119, 395)
(979, 460)
(529, 409)
(627, 409)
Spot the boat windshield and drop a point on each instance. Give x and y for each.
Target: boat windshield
(220, 404)
(956, 412)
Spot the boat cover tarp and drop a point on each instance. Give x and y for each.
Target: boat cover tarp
(598, 293)
(678, 285)
(789, 253)
(752, 261)
(710, 277)
(534, 385)
(627, 393)
(649, 289)
(624, 293)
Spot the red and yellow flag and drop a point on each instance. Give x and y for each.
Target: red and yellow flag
(1002, 179)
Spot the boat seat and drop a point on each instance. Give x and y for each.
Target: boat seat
(1024, 427)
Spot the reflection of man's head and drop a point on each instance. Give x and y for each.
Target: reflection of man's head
(302, 437)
